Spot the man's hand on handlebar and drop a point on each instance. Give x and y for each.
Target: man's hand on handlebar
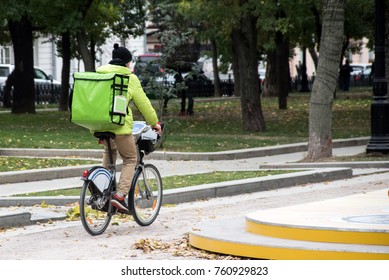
(158, 128)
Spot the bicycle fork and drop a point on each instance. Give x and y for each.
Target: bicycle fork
(147, 193)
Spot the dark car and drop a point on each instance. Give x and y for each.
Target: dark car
(148, 65)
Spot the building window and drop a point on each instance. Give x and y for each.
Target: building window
(5, 55)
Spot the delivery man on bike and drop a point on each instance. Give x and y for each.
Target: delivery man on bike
(124, 143)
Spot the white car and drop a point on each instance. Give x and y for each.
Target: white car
(359, 68)
(40, 77)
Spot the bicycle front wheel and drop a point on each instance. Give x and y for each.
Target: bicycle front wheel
(145, 196)
(95, 209)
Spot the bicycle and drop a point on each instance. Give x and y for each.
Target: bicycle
(145, 194)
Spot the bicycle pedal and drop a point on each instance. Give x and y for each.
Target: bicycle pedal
(88, 201)
(124, 212)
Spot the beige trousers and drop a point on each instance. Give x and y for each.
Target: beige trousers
(125, 145)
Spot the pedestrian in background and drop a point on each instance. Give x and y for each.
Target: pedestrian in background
(345, 75)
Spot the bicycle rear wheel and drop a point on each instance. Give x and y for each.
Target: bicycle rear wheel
(95, 209)
(145, 196)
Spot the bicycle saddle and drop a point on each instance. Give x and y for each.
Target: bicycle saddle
(104, 135)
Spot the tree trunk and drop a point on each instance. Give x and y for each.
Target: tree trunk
(277, 74)
(235, 64)
(320, 112)
(318, 28)
(86, 55)
(282, 71)
(245, 44)
(386, 45)
(216, 79)
(66, 56)
(345, 43)
(24, 87)
(271, 74)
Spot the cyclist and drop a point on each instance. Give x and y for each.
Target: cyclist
(124, 143)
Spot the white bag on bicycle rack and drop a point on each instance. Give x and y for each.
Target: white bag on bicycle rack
(139, 129)
(100, 178)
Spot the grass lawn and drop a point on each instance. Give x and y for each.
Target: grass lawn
(215, 125)
(17, 163)
(174, 182)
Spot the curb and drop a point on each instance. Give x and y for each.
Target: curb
(15, 219)
(208, 191)
(66, 172)
(41, 174)
(359, 164)
(177, 196)
(253, 152)
(251, 185)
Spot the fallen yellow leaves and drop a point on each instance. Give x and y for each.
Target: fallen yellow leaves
(149, 245)
(180, 248)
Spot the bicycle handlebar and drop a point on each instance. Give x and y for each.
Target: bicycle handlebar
(143, 131)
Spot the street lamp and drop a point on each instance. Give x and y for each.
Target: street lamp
(379, 141)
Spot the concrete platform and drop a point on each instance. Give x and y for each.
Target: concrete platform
(352, 227)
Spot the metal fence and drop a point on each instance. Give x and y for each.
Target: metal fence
(207, 88)
(44, 93)
(355, 81)
(361, 81)
(47, 94)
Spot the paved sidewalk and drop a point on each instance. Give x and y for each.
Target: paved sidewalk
(39, 180)
(48, 237)
(27, 184)
(166, 238)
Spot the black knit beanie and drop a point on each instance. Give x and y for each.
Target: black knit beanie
(121, 53)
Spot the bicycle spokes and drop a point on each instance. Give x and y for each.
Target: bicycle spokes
(146, 195)
(95, 209)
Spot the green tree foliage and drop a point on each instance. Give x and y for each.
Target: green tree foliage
(86, 23)
(214, 27)
(230, 26)
(359, 23)
(178, 54)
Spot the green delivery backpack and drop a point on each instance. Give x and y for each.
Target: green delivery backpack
(98, 101)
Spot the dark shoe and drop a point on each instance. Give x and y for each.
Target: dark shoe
(119, 202)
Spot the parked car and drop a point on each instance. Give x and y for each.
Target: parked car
(40, 77)
(47, 89)
(262, 73)
(147, 65)
(359, 68)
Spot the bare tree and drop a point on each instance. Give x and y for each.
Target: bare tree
(320, 112)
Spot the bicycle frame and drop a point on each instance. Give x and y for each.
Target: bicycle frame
(141, 131)
(103, 179)
(140, 165)
(145, 195)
